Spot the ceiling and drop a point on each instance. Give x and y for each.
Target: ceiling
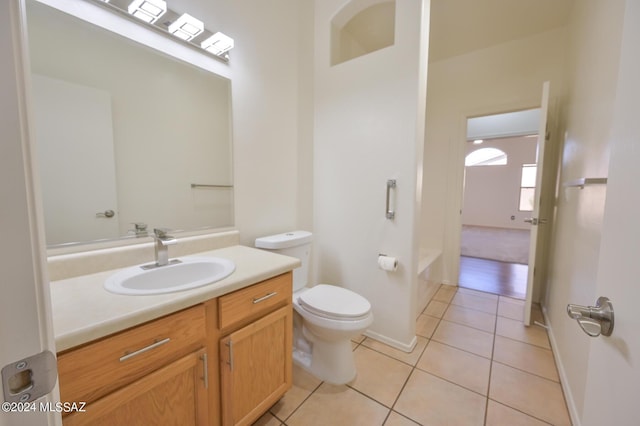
(462, 26)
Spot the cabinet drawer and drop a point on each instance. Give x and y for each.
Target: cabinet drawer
(248, 303)
(98, 368)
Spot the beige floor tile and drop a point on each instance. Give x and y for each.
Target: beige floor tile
(501, 415)
(303, 385)
(479, 303)
(436, 308)
(511, 308)
(466, 338)
(533, 395)
(380, 377)
(426, 325)
(516, 330)
(471, 318)
(513, 300)
(457, 366)
(359, 338)
(478, 293)
(530, 358)
(409, 358)
(445, 294)
(396, 419)
(267, 419)
(432, 401)
(338, 405)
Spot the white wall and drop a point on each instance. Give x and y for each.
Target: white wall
(498, 79)
(369, 128)
(593, 68)
(271, 116)
(492, 193)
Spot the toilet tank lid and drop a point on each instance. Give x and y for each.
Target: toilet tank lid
(285, 240)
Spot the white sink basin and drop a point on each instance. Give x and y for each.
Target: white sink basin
(186, 273)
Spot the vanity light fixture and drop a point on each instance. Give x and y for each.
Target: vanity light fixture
(217, 44)
(186, 27)
(147, 10)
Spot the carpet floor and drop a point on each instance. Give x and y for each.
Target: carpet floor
(504, 245)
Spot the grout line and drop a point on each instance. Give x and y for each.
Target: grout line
(519, 411)
(528, 372)
(476, 309)
(414, 367)
(493, 349)
(525, 343)
(298, 406)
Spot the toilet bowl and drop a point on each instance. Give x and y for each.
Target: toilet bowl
(326, 317)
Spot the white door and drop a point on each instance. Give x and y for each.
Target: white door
(613, 378)
(537, 223)
(74, 133)
(25, 313)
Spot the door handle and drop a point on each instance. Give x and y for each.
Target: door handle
(107, 213)
(594, 320)
(535, 220)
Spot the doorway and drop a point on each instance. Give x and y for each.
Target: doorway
(499, 183)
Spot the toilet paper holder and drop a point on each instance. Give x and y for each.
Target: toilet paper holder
(387, 263)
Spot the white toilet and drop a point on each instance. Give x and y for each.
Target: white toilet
(328, 316)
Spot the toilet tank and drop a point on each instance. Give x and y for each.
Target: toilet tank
(295, 244)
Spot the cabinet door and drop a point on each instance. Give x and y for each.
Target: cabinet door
(256, 367)
(172, 395)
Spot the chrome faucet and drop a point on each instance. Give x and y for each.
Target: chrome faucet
(162, 242)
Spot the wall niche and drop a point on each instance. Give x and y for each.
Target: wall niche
(362, 27)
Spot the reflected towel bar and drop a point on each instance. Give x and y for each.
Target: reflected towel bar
(580, 183)
(202, 185)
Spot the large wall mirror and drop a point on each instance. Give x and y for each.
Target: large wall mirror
(125, 134)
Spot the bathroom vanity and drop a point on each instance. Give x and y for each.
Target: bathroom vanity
(218, 354)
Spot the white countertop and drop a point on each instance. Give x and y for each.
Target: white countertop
(83, 310)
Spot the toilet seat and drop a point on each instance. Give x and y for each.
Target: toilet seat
(332, 302)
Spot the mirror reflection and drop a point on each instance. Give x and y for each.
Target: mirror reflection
(123, 133)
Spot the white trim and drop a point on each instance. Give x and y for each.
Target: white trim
(35, 323)
(457, 152)
(391, 342)
(564, 380)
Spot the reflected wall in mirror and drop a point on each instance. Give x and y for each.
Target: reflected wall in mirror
(123, 128)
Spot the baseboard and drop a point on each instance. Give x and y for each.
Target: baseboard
(391, 342)
(571, 406)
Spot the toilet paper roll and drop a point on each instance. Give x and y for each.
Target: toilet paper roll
(387, 263)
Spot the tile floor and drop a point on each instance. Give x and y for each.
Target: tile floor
(474, 364)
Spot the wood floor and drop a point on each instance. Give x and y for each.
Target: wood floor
(492, 276)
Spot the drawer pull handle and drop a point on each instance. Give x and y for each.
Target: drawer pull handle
(205, 371)
(230, 345)
(265, 297)
(145, 349)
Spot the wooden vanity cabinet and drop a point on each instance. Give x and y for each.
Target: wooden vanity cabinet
(153, 371)
(172, 395)
(255, 349)
(225, 361)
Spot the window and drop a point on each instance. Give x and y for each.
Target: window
(486, 157)
(527, 187)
